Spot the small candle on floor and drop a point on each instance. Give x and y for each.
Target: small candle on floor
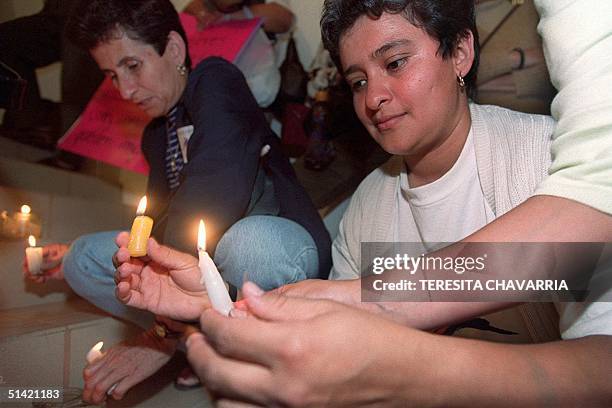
(141, 230)
(34, 255)
(95, 352)
(93, 355)
(211, 278)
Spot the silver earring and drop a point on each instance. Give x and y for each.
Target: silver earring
(461, 82)
(182, 69)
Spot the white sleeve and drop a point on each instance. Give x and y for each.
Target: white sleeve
(577, 38)
(346, 248)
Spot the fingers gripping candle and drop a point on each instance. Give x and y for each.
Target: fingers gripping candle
(211, 278)
(141, 230)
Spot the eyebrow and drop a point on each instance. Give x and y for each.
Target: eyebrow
(387, 46)
(379, 52)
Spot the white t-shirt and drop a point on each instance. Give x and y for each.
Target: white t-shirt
(448, 209)
(454, 206)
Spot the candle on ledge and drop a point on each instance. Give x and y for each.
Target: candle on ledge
(23, 219)
(24, 223)
(34, 255)
(141, 230)
(211, 278)
(94, 354)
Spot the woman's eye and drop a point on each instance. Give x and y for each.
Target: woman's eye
(396, 64)
(133, 66)
(358, 85)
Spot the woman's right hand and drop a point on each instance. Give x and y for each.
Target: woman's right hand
(165, 282)
(51, 268)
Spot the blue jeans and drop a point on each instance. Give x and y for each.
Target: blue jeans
(269, 251)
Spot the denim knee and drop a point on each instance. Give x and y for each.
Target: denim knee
(269, 251)
(89, 260)
(88, 269)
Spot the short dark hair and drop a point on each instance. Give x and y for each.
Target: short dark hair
(447, 21)
(93, 22)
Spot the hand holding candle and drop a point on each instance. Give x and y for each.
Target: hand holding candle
(217, 291)
(34, 255)
(141, 230)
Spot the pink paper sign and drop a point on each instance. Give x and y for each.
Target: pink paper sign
(110, 129)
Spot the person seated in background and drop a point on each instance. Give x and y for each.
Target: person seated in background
(262, 58)
(261, 224)
(457, 167)
(512, 71)
(35, 41)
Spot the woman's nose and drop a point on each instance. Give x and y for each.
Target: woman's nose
(377, 94)
(126, 88)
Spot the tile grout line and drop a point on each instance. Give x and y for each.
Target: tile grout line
(67, 347)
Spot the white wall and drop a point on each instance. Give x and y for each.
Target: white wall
(308, 33)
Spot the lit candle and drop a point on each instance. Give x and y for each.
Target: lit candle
(93, 355)
(23, 219)
(95, 352)
(211, 278)
(141, 230)
(34, 255)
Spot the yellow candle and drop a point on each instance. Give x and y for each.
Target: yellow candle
(141, 230)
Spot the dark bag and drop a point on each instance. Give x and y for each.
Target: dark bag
(293, 77)
(12, 88)
(294, 139)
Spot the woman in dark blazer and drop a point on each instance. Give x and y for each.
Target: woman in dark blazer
(212, 156)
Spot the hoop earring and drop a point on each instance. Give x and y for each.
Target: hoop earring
(461, 82)
(182, 69)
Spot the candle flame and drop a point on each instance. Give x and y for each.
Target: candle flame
(202, 236)
(98, 346)
(32, 240)
(25, 209)
(142, 206)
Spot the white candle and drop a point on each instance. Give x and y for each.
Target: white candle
(95, 352)
(34, 255)
(211, 278)
(93, 355)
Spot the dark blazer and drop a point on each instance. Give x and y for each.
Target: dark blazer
(223, 161)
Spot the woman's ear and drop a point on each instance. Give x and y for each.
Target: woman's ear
(176, 48)
(463, 55)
